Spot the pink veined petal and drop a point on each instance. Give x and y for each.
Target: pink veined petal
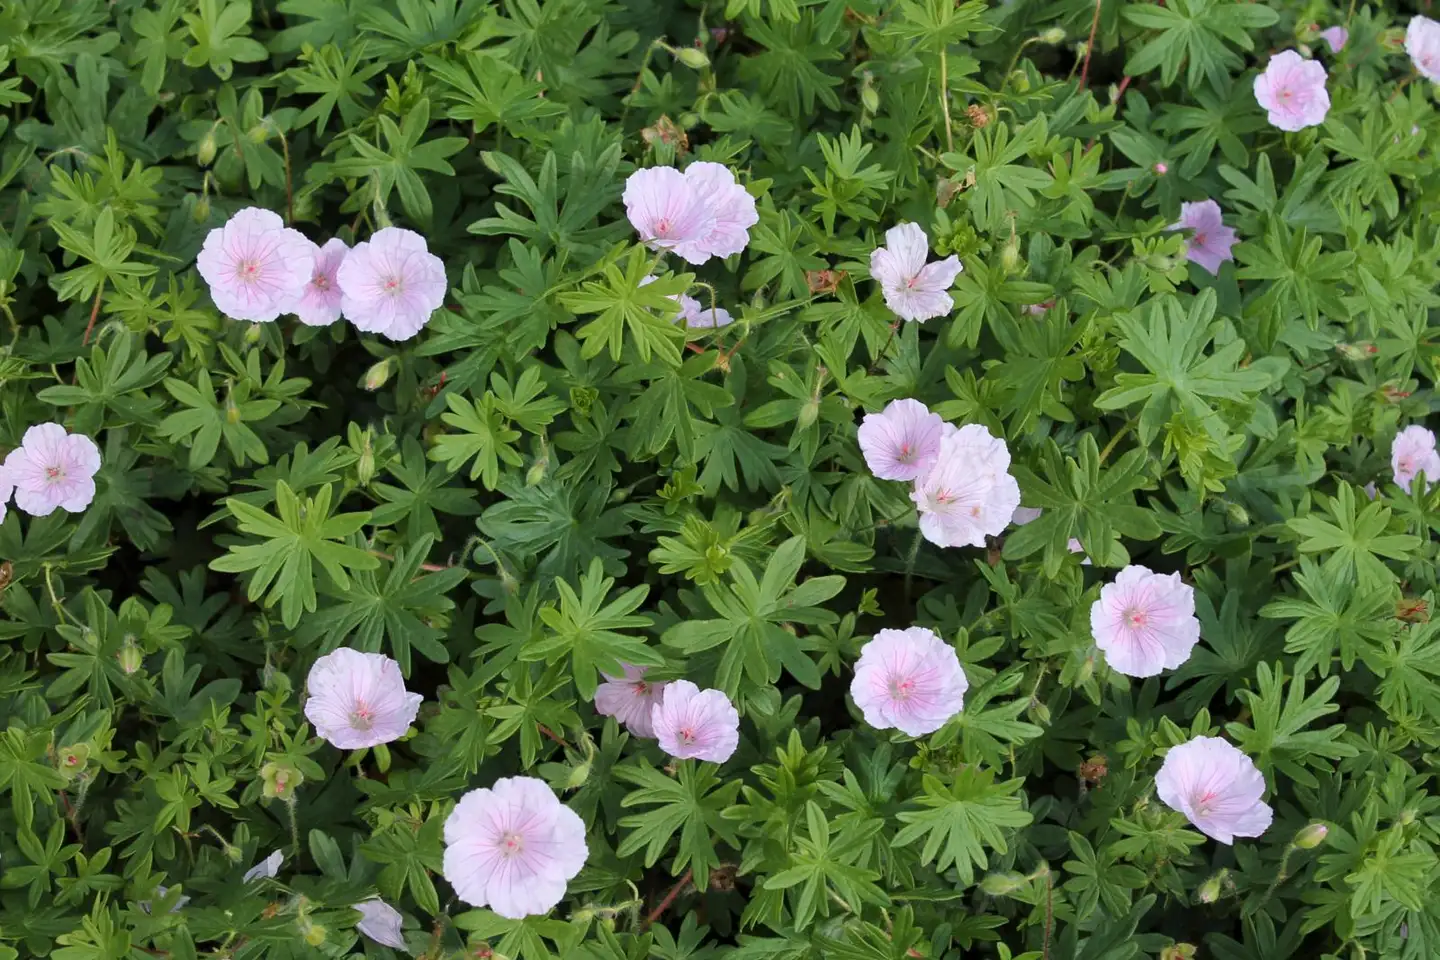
(910, 680)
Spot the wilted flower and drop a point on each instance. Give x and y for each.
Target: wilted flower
(51, 468)
(391, 284)
(255, 265)
(629, 699)
(1422, 42)
(691, 723)
(359, 699)
(513, 847)
(1210, 240)
(1335, 37)
(968, 494)
(913, 289)
(1145, 622)
(1217, 787)
(1412, 453)
(380, 922)
(1292, 89)
(268, 867)
(698, 214)
(319, 302)
(902, 441)
(910, 680)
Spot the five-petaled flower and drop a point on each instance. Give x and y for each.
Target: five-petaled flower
(910, 680)
(1210, 240)
(1293, 90)
(902, 441)
(391, 284)
(914, 289)
(968, 493)
(256, 267)
(691, 723)
(629, 699)
(1217, 787)
(1413, 453)
(359, 699)
(51, 468)
(1144, 622)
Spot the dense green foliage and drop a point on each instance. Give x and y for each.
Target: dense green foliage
(554, 476)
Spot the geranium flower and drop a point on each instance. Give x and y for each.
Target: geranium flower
(359, 699)
(1422, 42)
(1024, 515)
(1144, 622)
(1210, 240)
(513, 847)
(50, 468)
(1412, 452)
(1293, 90)
(255, 266)
(968, 494)
(1217, 787)
(629, 699)
(319, 302)
(691, 723)
(732, 209)
(381, 922)
(910, 680)
(391, 284)
(697, 316)
(265, 869)
(1336, 37)
(669, 212)
(914, 289)
(902, 441)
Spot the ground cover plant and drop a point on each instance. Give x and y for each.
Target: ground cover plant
(855, 479)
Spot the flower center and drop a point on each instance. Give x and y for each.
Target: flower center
(1202, 806)
(393, 285)
(54, 474)
(687, 735)
(1135, 618)
(1287, 95)
(511, 844)
(944, 497)
(248, 271)
(363, 716)
(1199, 239)
(321, 281)
(902, 689)
(662, 228)
(640, 687)
(907, 453)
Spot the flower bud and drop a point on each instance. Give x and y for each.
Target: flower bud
(365, 465)
(1238, 515)
(311, 932)
(73, 759)
(1010, 255)
(870, 99)
(280, 780)
(1311, 836)
(130, 657)
(579, 775)
(1210, 890)
(1052, 37)
(232, 411)
(537, 471)
(809, 413)
(205, 152)
(259, 133)
(1161, 168)
(1087, 670)
(1002, 884)
(379, 374)
(692, 58)
(201, 210)
(252, 334)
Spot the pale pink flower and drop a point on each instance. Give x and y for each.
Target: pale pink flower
(1217, 787)
(669, 212)
(969, 493)
(51, 468)
(1292, 89)
(732, 209)
(391, 284)
(359, 699)
(513, 847)
(1335, 37)
(1412, 452)
(1422, 42)
(697, 316)
(255, 265)
(1145, 622)
(319, 302)
(380, 922)
(1210, 240)
(908, 679)
(1024, 515)
(265, 869)
(902, 441)
(628, 699)
(691, 723)
(1073, 545)
(914, 289)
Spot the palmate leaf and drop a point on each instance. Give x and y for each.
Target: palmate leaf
(692, 802)
(627, 304)
(302, 535)
(1196, 31)
(588, 629)
(959, 822)
(1333, 616)
(1356, 538)
(1279, 737)
(820, 863)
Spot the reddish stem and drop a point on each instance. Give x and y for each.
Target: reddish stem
(553, 735)
(1090, 45)
(669, 899)
(94, 313)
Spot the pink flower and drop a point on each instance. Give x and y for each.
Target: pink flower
(902, 441)
(914, 290)
(1145, 622)
(319, 302)
(381, 922)
(669, 213)
(1210, 242)
(1335, 37)
(968, 494)
(359, 699)
(1422, 42)
(265, 869)
(1024, 515)
(391, 284)
(1073, 545)
(731, 207)
(51, 468)
(697, 316)
(255, 265)
(513, 847)
(908, 679)
(694, 723)
(629, 699)
(1292, 89)
(1412, 452)
(1217, 787)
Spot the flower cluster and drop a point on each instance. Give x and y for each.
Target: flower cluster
(258, 269)
(689, 723)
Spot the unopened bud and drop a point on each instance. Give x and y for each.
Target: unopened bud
(379, 374)
(258, 133)
(130, 657)
(1052, 36)
(365, 465)
(1311, 836)
(579, 775)
(1210, 890)
(870, 99)
(205, 152)
(1161, 168)
(232, 411)
(809, 413)
(1238, 515)
(313, 933)
(252, 334)
(537, 471)
(1002, 884)
(1010, 255)
(201, 212)
(1040, 713)
(692, 58)
(1087, 670)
